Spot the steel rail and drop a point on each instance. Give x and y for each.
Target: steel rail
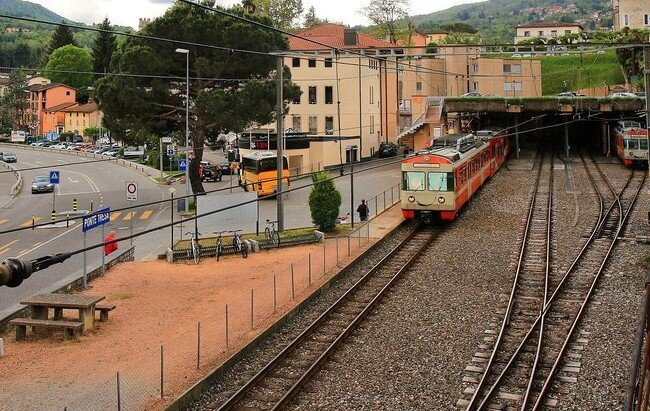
(271, 365)
(557, 289)
(547, 274)
(506, 317)
(624, 214)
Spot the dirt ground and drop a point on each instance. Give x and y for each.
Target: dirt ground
(162, 304)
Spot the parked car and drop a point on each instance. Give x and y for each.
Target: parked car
(570, 94)
(210, 173)
(471, 94)
(60, 146)
(113, 152)
(387, 149)
(42, 185)
(623, 95)
(8, 157)
(225, 169)
(45, 143)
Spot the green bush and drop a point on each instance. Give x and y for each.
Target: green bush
(324, 202)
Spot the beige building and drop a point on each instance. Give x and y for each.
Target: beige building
(546, 30)
(634, 14)
(505, 77)
(80, 117)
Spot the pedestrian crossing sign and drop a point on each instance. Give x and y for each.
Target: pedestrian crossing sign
(55, 177)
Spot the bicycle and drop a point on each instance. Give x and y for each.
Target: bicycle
(219, 246)
(238, 244)
(271, 234)
(195, 248)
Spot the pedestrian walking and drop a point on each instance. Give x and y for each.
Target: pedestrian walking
(363, 210)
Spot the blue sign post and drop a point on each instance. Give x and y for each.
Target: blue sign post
(182, 164)
(55, 177)
(96, 219)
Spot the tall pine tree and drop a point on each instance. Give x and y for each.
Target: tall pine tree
(62, 37)
(104, 47)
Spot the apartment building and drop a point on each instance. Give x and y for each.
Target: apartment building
(42, 97)
(547, 30)
(505, 77)
(79, 117)
(634, 14)
(366, 93)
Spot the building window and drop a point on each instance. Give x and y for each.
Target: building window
(329, 97)
(475, 86)
(371, 94)
(518, 86)
(507, 68)
(312, 62)
(527, 33)
(67, 93)
(312, 94)
(328, 62)
(295, 123)
(373, 64)
(554, 33)
(567, 31)
(646, 19)
(419, 69)
(516, 68)
(418, 86)
(475, 68)
(313, 125)
(541, 33)
(296, 99)
(295, 62)
(626, 20)
(372, 124)
(329, 125)
(507, 86)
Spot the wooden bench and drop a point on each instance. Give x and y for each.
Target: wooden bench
(71, 327)
(104, 309)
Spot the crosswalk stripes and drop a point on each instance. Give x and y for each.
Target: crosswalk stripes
(115, 216)
(29, 222)
(128, 216)
(2, 221)
(146, 214)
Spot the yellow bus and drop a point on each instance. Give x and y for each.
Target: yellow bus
(259, 172)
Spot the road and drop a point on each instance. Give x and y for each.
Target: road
(99, 183)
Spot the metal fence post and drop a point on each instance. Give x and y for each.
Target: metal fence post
(384, 201)
(368, 232)
(310, 269)
(324, 270)
(275, 295)
(162, 368)
(293, 289)
(392, 200)
(337, 251)
(252, 299)
(227, 329)
(376, 209)
(348, 245)
(119, 397)
(198, 345)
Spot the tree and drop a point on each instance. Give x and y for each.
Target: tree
(248, 6)
(311, 20)
(103, 49)
(14, 103)
(62, 37)
(67, 64)
(324, 202)
(387, 14)
(217, 104)
(283, 13)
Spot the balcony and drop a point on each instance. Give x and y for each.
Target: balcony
(405, 107)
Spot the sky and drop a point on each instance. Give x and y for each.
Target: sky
(127, 12)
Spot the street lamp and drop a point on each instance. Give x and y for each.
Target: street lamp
(187, 126)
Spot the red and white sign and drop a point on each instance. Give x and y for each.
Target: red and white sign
(191, 155)
(132, 191)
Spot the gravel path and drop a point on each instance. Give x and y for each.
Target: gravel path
(411, 351)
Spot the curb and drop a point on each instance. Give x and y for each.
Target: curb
(16, 188)
(195, 390)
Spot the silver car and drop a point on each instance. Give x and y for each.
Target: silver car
(42, 185)
(9, 157)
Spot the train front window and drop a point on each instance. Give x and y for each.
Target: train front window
(441, 181)
(643, 144)
(413, 181)
(632, 144)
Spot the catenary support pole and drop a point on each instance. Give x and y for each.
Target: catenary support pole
(646, 58)
(85, 281)
(566, 141)
(352, 189)
(517, 136)
(280, 132)
(101, 249)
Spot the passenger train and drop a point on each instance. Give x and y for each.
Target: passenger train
(437, 182)
(631, 143)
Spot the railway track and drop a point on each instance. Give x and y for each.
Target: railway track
(282, 378)
(533, 371)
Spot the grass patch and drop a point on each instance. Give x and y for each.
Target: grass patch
(579, 72)
(645, 260)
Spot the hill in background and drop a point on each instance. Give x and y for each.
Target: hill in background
(495, 20)
(22, 8)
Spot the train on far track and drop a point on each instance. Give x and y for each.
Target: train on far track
(631, 143)
(438, 181)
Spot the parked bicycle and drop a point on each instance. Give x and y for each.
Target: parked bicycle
(219, 246)
(195, 248)
(238, 243)
(271, 234)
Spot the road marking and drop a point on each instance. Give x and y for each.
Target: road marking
(3, 221)
(47, 242)
(73, 181)
(22, 251)
(128, 216)
(6, 250)
(2, 248)
(115, 215)
(29, 222)
(146, 215)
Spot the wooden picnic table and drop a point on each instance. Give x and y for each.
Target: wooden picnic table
(84, 303)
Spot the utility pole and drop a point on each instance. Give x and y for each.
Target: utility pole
(646, 59)
(280, 131)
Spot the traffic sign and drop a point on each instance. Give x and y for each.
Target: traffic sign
(132, 191)
(101, 217)
(182, 164)
(55, 177)
(171, 150)
(166, 139)
(191, 155)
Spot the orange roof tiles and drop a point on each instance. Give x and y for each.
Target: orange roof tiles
(333, 35)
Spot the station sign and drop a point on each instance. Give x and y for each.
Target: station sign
(99, 218)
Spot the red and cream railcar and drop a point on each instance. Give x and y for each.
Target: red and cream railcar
(439, 181)
(631, 142)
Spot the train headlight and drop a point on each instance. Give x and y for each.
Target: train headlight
(411, 199)
(441, 200)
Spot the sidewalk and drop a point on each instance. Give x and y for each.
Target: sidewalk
(162, 304)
